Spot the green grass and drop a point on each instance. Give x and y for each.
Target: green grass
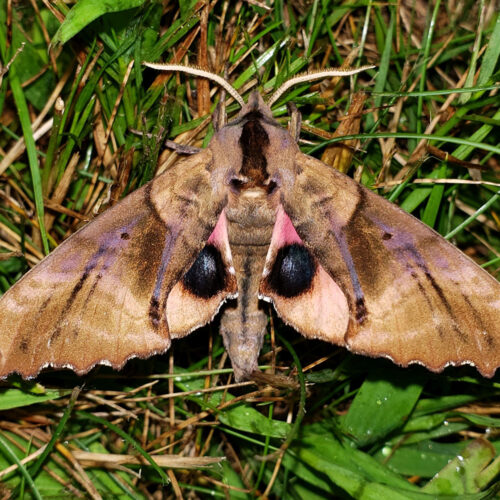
(353, 427)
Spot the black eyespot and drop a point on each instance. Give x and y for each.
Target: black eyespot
(386, 236)
(124, 236)
(207, 276)
(293, 271)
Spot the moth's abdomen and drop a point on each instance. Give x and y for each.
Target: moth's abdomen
(251, 219)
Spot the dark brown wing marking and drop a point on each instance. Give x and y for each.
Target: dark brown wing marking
(101, 296)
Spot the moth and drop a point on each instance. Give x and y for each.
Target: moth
(247, 219)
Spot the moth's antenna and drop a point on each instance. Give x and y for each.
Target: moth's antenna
(200, 72)
(313, 75)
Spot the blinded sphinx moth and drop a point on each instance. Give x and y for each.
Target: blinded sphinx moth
(251, 217)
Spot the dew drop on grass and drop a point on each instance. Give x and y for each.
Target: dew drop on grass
(386, 451)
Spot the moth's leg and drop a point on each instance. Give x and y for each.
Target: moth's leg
(295, 121)
(182, 149)
(219, 118)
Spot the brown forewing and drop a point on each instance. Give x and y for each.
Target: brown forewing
(412, 296)
(100, 297)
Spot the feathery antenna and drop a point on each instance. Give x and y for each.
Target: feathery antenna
(200, 72)
(304, 77)
(314, 75)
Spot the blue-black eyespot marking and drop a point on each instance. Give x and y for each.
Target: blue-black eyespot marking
(207, 275)
(293, 271)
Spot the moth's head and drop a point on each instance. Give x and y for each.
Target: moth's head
(256, 103)
(249, 148)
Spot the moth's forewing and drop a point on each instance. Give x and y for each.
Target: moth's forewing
(412, 296)
(101, 296)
